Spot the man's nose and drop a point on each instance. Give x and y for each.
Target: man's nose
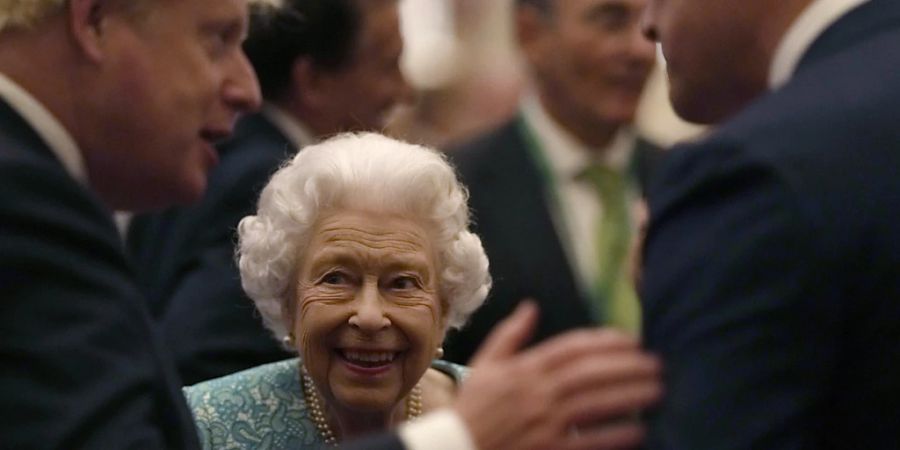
(640, 46)
(241, 90)
(648, 22)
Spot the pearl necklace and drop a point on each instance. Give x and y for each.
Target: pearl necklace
(413, 408)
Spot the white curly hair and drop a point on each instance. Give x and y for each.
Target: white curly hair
(368, 172)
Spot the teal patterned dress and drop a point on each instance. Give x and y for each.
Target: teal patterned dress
(263, 408)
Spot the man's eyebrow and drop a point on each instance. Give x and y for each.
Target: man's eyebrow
(614, 9)
(235, 28)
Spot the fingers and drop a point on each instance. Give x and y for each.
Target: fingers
(603, 404)
(508, 336)
(607, 385)
(621, 435)
(560, 350)
(602, 386)
(587, 378)
(607, 370)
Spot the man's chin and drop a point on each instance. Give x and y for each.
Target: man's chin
(692, 108)
(192, 191)
(185, 193)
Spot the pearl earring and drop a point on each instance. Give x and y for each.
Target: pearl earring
(439, 353)
(288, 340)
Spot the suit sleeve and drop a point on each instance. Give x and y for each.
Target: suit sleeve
(737, 305)
(80, 363)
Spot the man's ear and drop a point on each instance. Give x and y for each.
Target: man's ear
(531, 31)
(309, 83)
(86, 20)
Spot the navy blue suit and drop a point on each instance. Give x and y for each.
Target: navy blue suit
(81, 365)
(185, 258)
(772, 263)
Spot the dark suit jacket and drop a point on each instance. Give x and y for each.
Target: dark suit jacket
(511, 213)
(772, 278)
(81, 365)
(186, 260)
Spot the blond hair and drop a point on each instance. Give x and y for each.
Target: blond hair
(26, 13)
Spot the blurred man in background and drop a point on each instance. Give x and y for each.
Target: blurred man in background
(553, 190)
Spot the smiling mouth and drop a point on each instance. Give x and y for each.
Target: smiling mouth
(215, 135)
(368, 359)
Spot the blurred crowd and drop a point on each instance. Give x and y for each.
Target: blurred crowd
(449, 224)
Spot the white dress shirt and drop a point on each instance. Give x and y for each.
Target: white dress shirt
(296, 131)
(579, 209)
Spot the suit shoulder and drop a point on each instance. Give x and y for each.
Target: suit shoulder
(255, 155)
(40, 192)
(475, 157)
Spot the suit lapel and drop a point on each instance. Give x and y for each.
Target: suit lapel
(20, 135)
(523, 203)
(644, 161)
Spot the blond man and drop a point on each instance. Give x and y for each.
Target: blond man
(104, 105)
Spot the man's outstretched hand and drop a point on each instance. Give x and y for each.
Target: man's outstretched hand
(578, 390)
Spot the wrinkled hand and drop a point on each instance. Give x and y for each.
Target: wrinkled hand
(567, 393)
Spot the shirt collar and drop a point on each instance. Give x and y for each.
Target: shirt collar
(46, 126)
(812, 22)
(296, 131)
(565, 154)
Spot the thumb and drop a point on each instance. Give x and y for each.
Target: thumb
(509, 335)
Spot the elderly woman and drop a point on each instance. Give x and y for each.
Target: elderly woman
(360, 259)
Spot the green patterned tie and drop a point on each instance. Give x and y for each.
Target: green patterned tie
(613, 285)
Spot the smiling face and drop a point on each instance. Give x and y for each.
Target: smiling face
(589, 59)
(367, 315)
(169, 82)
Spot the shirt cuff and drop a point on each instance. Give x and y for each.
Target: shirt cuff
(440, 430)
